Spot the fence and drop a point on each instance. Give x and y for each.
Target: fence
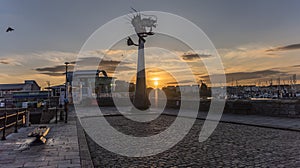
(56, 110)
(20, 116)
(13, 119)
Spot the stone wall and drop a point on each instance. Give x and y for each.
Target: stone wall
(285, 108)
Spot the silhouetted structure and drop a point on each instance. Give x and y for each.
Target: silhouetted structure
(140, 24)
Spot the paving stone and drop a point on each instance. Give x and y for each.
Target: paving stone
(61, 148)
(230, 145)
(36, 164)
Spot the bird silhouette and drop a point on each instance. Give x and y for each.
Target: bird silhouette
(9, 29)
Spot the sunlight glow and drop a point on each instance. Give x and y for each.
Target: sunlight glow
(156, 83)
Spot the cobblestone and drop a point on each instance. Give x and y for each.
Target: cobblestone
(231, 145)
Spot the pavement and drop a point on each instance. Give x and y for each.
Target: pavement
(61, 150)
(67, 145)
(275, 122)
(238, 141)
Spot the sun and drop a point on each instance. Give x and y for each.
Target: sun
(155, 83)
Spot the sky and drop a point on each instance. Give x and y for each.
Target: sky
(256, 40)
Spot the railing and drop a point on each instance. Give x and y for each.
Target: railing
(56, 109)
(9, 120)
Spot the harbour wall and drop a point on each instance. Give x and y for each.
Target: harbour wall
(282, 108)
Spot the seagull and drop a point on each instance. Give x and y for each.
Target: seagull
(9, 29)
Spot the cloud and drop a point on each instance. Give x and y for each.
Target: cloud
(154, 70)
(249, 52)
(284, 48)
(249, 62)
(111, 65)
(263, 74)
(180, 82)
(9, 61)
(172, 83)
(125, 68)
(57, 57)
(4, 62)
(194, 56)
(54, 69)
(85, 63)
(88, 61)
(112, 52)
(252, 57)
(52, 74)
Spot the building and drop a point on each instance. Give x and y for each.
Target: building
(87, 84)
(57, 92)
(6, 90)
(33, 99)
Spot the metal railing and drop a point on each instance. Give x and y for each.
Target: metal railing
(56, 109)
(9, 120)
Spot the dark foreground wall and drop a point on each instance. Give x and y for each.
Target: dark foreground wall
(286, 108)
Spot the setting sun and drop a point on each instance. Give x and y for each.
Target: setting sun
(156, 83)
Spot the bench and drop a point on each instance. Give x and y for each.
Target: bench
(40, 133)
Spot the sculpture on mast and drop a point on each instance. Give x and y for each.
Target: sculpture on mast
(143, 25)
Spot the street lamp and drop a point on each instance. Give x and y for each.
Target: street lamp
(66, 96)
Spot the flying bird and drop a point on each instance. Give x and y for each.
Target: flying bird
(9, 29)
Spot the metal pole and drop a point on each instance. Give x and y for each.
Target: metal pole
(56, 115)
(66, 90)
(16, 125)
(5, 104)
(27, 113)
(48, 83)
(61, 117)
(4, 126)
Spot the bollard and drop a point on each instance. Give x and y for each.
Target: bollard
(27, 113)
(23, 119)
(66, 112)
(4, 127)
(56, 115)
(61, 117)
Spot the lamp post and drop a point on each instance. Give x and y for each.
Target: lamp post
(66, 95)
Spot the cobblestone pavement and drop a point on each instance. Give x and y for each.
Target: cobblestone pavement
(231, 145)
(60, 150)
(259, 120)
